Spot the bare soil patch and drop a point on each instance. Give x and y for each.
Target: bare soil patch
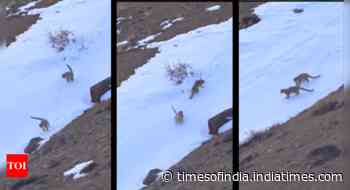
(12, 26)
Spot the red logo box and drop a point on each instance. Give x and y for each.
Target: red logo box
(17, 165)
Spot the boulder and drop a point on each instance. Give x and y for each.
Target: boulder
(151, 176)
(33, 144)
(218, 120)
(248, 21)
(97, 90)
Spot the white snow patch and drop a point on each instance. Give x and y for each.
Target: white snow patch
(168, 23)
(76, 170)
(122, 43)
(178, 19)
(27, 6)
(147, 40)
(214, 8)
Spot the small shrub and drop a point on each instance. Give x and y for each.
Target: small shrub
(61, 39)
(325, 108)
(256, 137)
(179, 72)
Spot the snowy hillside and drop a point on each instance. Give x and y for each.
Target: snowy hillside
(147, 134)
(31, 71)
(278, 48)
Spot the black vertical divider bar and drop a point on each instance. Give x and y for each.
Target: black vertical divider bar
(235, 102)
(114, 94)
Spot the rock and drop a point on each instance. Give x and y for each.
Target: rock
(248, 21)
(218, 120)
(99, 89)
(33, 144)
(151, 176)
(89, 168)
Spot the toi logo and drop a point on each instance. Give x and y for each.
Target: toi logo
(17, 165)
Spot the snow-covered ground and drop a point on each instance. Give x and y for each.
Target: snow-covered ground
(31, 70)
(280, 47)
(214, 8)
(147, 134)
(76, 170)
(169, 23)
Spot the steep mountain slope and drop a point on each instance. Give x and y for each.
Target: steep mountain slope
(34, 80)
(280, 47)
(212, 156)
(86, 138)
(32, 65)
(177, 37)
(314, 141)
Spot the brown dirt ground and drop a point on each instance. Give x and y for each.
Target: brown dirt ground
(146, 19)
(15, 25)
(247, 8)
